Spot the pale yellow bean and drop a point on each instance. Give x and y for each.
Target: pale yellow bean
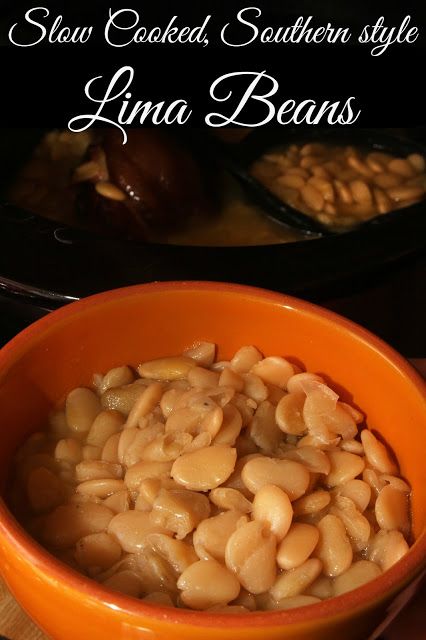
(118, 502)
(142, 447)
(401, 167)
(386, 548)
(321, 588)
(352, 446)
(358, 491)
(387, 180)
(97, 470)
(173, 368)
(123, 398)
(177, 553)
(359, 573)
(417, 162)
(207, 583)
(291, 181)
(407, 193)
(110, 191)
(254, 388)
(324, 186)
(377, 454)
(44, 490)
(81, 408)
(289, 413)
(203, 378)
(375, 482)
(374, 164)
(212, 534)
(263, 429)
(380, 157)
(90, 452)
(344, 467)
(130, 527)
(185, 419)
(206, 468)
(125, 582)
(64, 526)
(200, 441)
(230, 378)
(110, 449)
(166, 447)
(179, 511)
(144, 404)
(274, 370)
(357, 415)
(396, 483)
(69, 450)
(141, 470)
(272, 507)
(235, 481)
(156, 573)
(104, 426)
(127, 438)
(391, 510)
(312, 197)
(150, 488)
(357, 526)
(312, 503)
(246, 407)
(359, 166)
(320, 172)
(297, 383)
(203, 353)
(297, 545)
(343, 192)
(117, 377)
(333, 548)
(308, 161)
(297, 171)
(312, 458)
(383, 202)
(294, 582)
(101, 488)
(248, 549)
(289, 476)
(98, 550)
(245, 358)
(231, 426)
(312, 441)
(168, 401)
(325, 418)
(232, 499)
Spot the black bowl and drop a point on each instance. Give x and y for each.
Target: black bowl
(48, 264)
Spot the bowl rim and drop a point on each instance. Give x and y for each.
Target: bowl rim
(32, 553)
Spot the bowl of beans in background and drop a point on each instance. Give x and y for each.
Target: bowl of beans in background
(305, 376)
(341, 179)
(310, 266)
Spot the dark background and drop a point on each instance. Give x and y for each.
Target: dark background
(43, 87)
(44, 84)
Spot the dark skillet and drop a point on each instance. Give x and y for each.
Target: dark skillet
(49, 264)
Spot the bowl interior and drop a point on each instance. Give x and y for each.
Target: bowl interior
(64, 349)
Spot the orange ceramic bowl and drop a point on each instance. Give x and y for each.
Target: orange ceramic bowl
(62, 351)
